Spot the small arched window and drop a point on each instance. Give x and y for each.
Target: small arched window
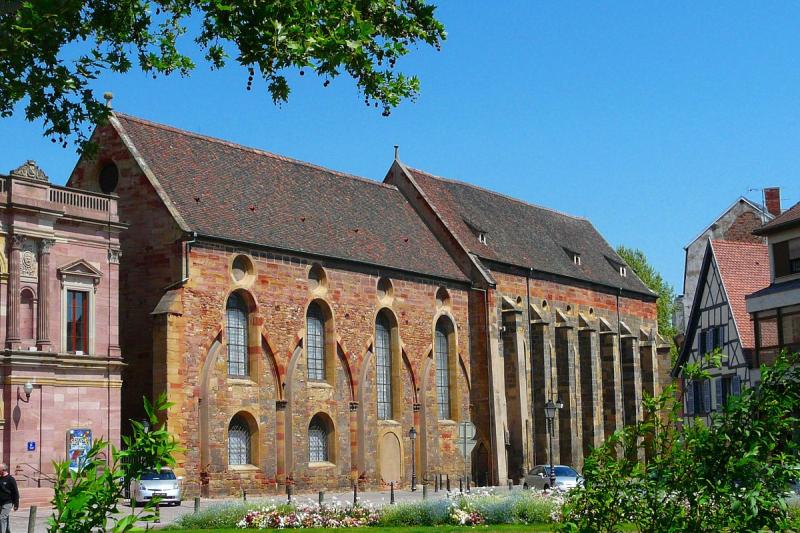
(318, 436)
(236, 332)
(238, 442)
(383, 359)
(442, 349)
(315, 343)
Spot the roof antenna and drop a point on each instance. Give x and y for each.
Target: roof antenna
(396, 152)
(108, 96)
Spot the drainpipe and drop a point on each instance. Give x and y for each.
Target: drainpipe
(619, 347)
(188, 244)
(530, 356)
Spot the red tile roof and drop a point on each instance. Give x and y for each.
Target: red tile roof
(228, 191)
(790, 217)
(744, 268)
(526, 235)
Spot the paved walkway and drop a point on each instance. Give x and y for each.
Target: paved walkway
(19, 520)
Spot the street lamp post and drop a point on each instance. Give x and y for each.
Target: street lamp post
(412, 434)
(550, 409)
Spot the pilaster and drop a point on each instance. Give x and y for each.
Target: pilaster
(13, 337)
(42, 321)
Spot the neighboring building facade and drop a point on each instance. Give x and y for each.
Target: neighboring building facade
(735, 224)
(775, 309)
(303, 320)
(719, 319)
(59, 261)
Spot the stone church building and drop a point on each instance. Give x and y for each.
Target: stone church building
(303, 320)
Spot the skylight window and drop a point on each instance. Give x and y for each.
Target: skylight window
(623, 271)
(482, 237)
(576, 258)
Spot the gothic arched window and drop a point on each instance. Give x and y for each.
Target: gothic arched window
(442, 351)
(238, 442)
(236, 333)
(318, 437)
(315, 342)
(383, 360)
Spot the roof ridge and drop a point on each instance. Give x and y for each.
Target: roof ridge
(726, 242)
(251, 149)
(506, 196)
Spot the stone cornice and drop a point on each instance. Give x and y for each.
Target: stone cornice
(25, 358)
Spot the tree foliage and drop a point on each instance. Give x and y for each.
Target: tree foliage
(50, 51)
(730, 475)
(87, 499)
(656, 283)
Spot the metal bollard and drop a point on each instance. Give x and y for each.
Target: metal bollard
(391, 494)
(32, 519)
(468, 489)
(321, 496)
(461, 485)
(158, 514)
(244, 495)
(289, 493)
(448, 482)
(436, 483)
(510, 484)
(355, 492)
(424, 491)
(196, 505)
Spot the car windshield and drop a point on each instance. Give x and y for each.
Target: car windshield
(562, 471)
(155, 476)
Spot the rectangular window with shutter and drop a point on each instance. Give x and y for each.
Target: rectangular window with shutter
(782, 257)
(706, 396)
(701, 343)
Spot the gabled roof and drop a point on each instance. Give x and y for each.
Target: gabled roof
(525, 235)
(766, 215)
(743, 268)
(790, 217)
(227, 191)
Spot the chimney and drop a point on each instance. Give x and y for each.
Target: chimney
(772, 200)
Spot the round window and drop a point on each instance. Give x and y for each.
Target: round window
(109, 178)
(241, 268)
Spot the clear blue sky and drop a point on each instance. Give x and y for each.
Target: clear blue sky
(647, 118)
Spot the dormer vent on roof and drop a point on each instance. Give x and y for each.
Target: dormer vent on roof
(574, 256)
(477, 230)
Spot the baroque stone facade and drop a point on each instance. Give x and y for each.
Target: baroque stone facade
(59, 309)
(304, 321)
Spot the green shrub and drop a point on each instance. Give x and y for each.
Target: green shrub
(730, 475)
(424, 513)
(534, 509)
(218, 516)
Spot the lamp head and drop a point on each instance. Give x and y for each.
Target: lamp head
(28, 388)
(412, 433)
(550, 410)
(559, 403)
(146, 425)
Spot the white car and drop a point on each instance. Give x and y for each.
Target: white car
(566, 478)
(163, 484)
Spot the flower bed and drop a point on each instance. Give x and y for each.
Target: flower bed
(482, 507)
(328, 516)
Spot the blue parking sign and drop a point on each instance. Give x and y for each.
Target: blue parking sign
(31, 446)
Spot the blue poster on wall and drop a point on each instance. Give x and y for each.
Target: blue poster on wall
(79, 442)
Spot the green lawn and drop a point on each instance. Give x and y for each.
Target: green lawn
(514, 528)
